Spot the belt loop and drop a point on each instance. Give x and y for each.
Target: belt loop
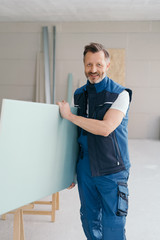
(80, 151)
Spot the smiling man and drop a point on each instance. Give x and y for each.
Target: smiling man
(96, 66)
(103, 164)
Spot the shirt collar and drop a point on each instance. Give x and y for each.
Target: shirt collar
(100, 86)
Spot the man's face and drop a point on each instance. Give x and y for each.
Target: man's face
(96, 66)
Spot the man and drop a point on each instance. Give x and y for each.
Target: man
(103, 165)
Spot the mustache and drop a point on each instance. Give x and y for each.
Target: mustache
(90, 73)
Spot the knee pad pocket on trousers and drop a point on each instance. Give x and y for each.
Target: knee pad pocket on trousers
(114, 234)
(123, 194)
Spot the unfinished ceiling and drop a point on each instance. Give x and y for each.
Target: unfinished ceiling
(79, 10)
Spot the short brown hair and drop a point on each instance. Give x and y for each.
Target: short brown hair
(95, 47)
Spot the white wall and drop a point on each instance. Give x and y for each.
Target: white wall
(20, 42)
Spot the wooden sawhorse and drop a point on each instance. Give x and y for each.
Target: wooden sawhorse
(18, 226)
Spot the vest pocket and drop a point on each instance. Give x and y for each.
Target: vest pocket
(123, 194)
(101, 110)
(116, 147)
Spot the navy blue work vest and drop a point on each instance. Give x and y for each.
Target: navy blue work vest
(107, 155)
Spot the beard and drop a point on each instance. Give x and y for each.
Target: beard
(95, 77)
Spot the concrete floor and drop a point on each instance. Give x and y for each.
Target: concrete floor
(143, 221)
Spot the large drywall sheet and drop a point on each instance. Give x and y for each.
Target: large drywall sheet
(117, 68)
(38, 152)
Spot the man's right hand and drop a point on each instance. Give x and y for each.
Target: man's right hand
(71, 186)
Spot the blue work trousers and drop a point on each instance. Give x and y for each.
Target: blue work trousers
(104, 202)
